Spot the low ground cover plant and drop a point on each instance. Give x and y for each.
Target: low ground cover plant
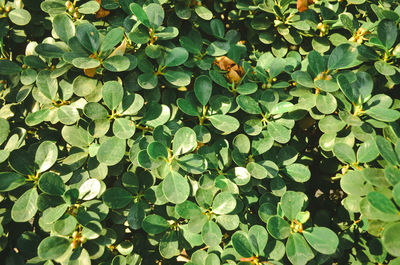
(199, 132)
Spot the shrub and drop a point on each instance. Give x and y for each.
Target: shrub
(206, 132)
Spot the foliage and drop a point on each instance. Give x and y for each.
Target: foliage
(206, 132)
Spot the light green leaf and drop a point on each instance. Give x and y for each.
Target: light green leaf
(184, 141)
(64, 27)
(19, 16)
(111, 151)
(25, 207)
(224, 123)
(176, 188)
(297, 250)
(46, 156)
(211, 234)
(322, 239)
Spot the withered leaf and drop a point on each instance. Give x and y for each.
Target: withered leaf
(235, 72)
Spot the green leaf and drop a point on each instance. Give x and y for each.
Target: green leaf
(375, 176)
(342, 57)
(224, 123)
(112, 94)
(147, 80)
(298, 172)
(141, 16)
(35, 118)
(344, 153)
(241, 244)
(386, 150)
(111, 151)
(224, 203)
(112, 38)
(326, 104)
(88, 36)
(354, 183)
(46, 156)
(52, 214)
(292, 203)
(278, 227)
(322, 239)
(47, 85)
(19, 16)
(64, 27)
(25, 207)
(280, 133)
(83, 86)
(10, 181)
(266, 210)
(396, 194)
(217, 28)
(203, 89)
(52, 184)
(176, 57)
(247, 88)
(155, 224)
(384, 68)
(303, 78)
(117, 63)
(387, 33)
(95, 111)
(203, 12)
(117, 198)
(383, 114)
(4, 130)
(85, 63)
(9, 68)
(187, 209)
(282, 107)
(136, 216)
(184, 141)
(89, 189)
(390, 239)
(367, 151)
(68, 115)
(176, 188)
(211, 234)
(212, 259)
(381, 202)
(187, 107)
(256, 170)
(297, 250)
(80, 256)
(49, 50)
(156, 150)
(248, 104)
(169, 246)
(193, 163)
(124, 128)
(76, 136)
(178, 78)
(155, 13)
(53, 247)
(258, 237)
(90, 7)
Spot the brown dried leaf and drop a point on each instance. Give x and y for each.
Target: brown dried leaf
(120, 50)
(235, 72)
(102, 12)
(90, 72)
(224, 63)
(302, 5)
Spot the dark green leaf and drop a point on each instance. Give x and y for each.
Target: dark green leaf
(53, 247)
